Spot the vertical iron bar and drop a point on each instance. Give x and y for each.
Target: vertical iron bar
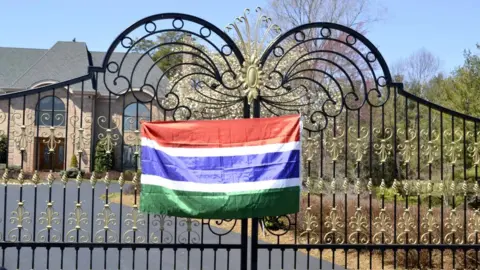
(37, 141)
(465, 228)
(442, 180)
(254, 236)
(345, 191)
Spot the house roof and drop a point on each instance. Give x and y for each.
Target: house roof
(21, 68)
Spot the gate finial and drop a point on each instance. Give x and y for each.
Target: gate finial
(252, 77)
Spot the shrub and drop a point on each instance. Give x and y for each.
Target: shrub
(275, 223)
(3, 149)
(74, 161)
(103, 161)
(72, 173)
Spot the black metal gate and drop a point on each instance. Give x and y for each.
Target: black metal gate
(390, 179)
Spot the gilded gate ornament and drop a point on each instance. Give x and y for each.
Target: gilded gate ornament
(134, 220)
(431, 227)
(135, 141)
(52, 139)
(35, 178)
(161, 221)
(334, 222)
(189, 236)
(106, 218)
(359, 146)
(408, 147)
(79, 136)
(358, 223)
(24, 136)
(49, 218)
(310, 225)
(311, 148)
(335, 144)
(429, 147)
(252, 46)
(453, 150)
(78, 218)
(406, 224)
(453, 224)
(474, 226)
(5, 177)
(382, 222)
(108, 139)
(473, 149)
(20, 216)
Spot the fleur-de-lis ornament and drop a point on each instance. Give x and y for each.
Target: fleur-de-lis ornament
(359, 146)
(453, 150)
(334, 145)
(408, 147)
(384, 148)
(474, 149)
(430, 148)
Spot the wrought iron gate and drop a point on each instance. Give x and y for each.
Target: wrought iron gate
(390, 179)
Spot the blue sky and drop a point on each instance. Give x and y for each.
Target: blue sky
(444, 27)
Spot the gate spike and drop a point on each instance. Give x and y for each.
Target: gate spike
(65, 179)
(35, 178)
(5, 176)
(93, 179)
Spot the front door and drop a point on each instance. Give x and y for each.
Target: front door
(46, 159)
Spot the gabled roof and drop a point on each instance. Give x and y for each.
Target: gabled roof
(21, 68)
(15, 61)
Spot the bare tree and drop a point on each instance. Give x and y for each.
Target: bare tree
(357, 14)
(419, 67)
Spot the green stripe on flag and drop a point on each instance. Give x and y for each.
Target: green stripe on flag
(219, 205)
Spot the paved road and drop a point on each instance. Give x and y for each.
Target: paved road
(166, 259)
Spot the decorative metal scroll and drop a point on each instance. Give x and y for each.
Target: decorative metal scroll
(315, 69)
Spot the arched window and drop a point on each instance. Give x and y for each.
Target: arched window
(49, 108)
(134, 114)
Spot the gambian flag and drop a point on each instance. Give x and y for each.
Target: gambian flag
(221, 169)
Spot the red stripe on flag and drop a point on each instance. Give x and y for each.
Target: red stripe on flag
(223, 133)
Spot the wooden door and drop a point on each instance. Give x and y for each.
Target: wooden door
(47, 160)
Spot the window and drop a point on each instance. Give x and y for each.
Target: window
(134, 114)
(50, 110)
(129, 158)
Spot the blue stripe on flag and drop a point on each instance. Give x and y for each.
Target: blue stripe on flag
(228, 169)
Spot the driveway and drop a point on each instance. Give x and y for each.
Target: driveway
(166, 259)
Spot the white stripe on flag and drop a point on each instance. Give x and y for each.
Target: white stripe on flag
(222, 151)
(231, 187)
